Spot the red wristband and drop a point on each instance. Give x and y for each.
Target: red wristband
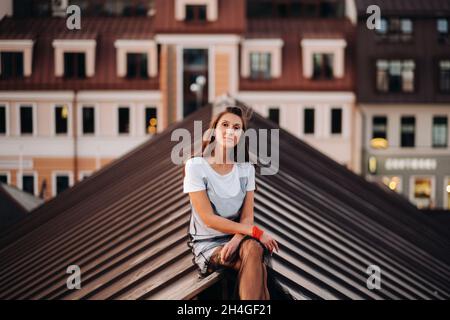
(257, 232)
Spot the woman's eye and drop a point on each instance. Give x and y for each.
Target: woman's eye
(225, 124)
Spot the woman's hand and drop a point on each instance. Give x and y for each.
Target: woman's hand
(230, 247)
(269, 242)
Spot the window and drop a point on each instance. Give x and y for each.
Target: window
(395, 75)
(151, 120)
(260, 65)
(2, 119)
(308, 121)
(124, 119)
(88, 118)
(74, 65)
(323, 66)
(61, 116)
(4, 178)
(62, 183)
(336, 120)
(440, 131)
(26, 119)
(195, 12)
(396, 29)
(442, 30)
(28, 183)
(274, 115)
(379, 127)
(408, 128)
(444, 76)
(422, 192)
(137, 65)
(11, 64)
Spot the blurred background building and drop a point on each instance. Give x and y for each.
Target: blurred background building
(375, 101)
(403, 92)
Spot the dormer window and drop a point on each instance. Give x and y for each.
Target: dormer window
(136, 59)
(260, 65)
(323, 59)
(196, 13)
(74, 58)
(74, 65)
(323, 66)
(261, 58)
(196, 10)
(15, 58)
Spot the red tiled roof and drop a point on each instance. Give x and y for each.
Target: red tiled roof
(292, 31)
(126, 227)
(104, 29)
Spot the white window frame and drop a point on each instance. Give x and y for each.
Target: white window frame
(26, 47)
(330, 120)
(96, 120)
(8, 176)
(125, 46)
(60, 173)
(7, 124)
(131, 107)
(158, 118)
(302, 121)
(412, 179)
(270, 46)
(336, 47)
(69, 119)
(212, 10)
(87, 47)
(28, 172)
(35, 122)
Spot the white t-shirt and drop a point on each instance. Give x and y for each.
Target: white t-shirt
(226, 194)
(226, 186)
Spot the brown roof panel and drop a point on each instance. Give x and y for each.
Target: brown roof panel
(126, 227)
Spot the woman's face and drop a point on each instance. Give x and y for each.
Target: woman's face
(228, 130)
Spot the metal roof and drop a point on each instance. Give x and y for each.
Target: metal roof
(126, 227)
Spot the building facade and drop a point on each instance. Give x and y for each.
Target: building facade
(403, 93)
(73, 100)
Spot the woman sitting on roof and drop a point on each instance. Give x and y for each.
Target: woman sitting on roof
(222, 233)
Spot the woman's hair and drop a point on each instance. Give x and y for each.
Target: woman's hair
(244, 113)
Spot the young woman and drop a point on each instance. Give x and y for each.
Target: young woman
(222, 231)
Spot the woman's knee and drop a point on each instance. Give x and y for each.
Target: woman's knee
(252, 248)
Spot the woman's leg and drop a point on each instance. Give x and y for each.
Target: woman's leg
(252, 272)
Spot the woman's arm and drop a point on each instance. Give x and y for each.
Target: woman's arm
(202, 205)
(247, 213)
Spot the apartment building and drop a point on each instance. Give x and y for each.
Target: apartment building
(403, 92)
